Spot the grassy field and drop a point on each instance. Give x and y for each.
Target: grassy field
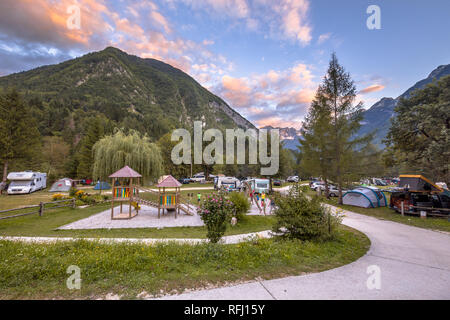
(17, 201)
(36, 271)
(384, 213)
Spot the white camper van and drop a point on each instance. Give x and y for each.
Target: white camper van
(26, 182)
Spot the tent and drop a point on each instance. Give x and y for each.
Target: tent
(365, 197)
(418, 183)
(103, 185)
(62, 185)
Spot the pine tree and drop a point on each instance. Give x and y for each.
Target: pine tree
(315, 146)
(334, 121)
(19, 136)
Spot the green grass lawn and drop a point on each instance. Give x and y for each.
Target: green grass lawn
(384, 213)
(45, 226)
(22, 200)
(37, 271)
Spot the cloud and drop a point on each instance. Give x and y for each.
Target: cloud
(277, 97)
(323, 37)
(287, 19)
(372, 88)
(41, 25)
(161, 20)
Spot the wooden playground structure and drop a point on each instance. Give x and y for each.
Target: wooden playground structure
(126, 189)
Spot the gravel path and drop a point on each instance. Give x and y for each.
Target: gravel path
(225, 240)
(147, 218)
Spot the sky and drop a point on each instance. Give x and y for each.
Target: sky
(264, 58)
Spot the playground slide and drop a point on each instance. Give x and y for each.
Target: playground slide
(184, 206)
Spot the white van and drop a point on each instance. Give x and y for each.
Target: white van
(26, 182)
(199, 177)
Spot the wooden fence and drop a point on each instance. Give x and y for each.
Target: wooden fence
(39, 208)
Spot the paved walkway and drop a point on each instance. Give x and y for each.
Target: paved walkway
(414, 263)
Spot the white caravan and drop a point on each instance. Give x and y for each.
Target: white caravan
(26, 182)
(259, 185)
(226, 182)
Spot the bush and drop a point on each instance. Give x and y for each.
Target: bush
(241, 204)
(302, 218)
(58, 196)
(72, 191)
(215, 210)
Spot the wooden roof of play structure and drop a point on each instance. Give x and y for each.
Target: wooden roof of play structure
(169, 182)
(125, 172)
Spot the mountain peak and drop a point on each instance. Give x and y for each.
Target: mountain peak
(147, 94)
(377, 117)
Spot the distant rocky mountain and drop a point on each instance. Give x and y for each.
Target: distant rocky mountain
(290, 136)
(378, 116)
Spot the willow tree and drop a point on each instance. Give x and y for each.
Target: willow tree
(111, 153)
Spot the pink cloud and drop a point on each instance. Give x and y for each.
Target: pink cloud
(372, 88)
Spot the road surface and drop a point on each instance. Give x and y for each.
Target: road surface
(403, 262)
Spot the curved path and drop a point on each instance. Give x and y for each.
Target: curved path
(413, 263)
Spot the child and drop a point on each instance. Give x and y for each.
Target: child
(199, 198)
(263, 204)
(257, 201)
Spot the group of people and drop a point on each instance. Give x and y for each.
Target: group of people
(262, 201)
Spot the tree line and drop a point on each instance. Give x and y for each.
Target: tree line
(418, 140)
(53, 139)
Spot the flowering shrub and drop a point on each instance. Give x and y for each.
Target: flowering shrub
(58, 196)
(215, 211)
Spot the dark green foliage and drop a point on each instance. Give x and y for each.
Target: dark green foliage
(241, 204)
(299, 217)
(330, 148)
(19, 136)
(94, 133)
(419, 137)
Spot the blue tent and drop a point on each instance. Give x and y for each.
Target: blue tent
(102, 185)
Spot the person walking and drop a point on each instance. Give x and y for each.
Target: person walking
(272, 205)
(257, 202)
(263, 203)
(2, 187)
(199, 198)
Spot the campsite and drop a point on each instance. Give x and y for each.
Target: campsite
(224, 150)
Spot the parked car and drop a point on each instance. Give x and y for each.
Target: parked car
(333, 191)
(316, 184)
(313, 180)
(198, 178)
(277, 182)
(184, 180)
(292, 179)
